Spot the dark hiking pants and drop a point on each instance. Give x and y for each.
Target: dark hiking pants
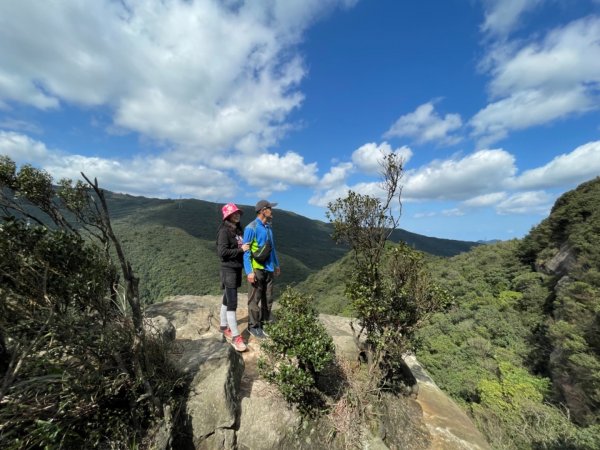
(260, 299)
(231, 279)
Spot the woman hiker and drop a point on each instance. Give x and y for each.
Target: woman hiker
(230, 249)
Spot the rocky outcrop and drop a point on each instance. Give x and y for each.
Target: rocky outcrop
(229, 407)
(561, 263)
(449, 426)
(159, 327)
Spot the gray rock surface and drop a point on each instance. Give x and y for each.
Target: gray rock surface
(341, 332)
(562, 262)
(230, 407)
(212, 403)
(160, 327)
(449, 426)
(266, 419)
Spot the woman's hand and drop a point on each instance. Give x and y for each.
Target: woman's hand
(245, 247)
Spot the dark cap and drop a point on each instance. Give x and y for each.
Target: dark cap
(264, 204)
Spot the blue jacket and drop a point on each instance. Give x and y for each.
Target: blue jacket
(256, 234)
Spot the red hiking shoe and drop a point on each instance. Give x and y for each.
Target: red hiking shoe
(238, 343)
(227, 333)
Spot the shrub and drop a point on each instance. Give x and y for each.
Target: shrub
(76, 370)
(298, 350)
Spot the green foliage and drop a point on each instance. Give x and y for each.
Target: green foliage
(513, 387)
(587, 438)
(171, 262)
(515, 402)
(298, 350)
(327, 287)
(389, 289)
(477, 350)
(521, 347)
(75, 369)
(303, 245)
(44, 264)
(575, 221)
(75, 383)
(432, 245)
(406, 298)
(508, 311)
(172, 244)
(573, 228)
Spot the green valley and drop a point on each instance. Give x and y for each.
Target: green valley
(171, 244)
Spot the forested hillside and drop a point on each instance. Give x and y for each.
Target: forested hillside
(520, 347)
(171, 244)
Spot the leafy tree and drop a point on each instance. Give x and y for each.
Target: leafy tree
(388, 288)
(77, 369)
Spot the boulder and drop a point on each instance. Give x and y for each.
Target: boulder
(340, 330)
(159, 327)
(266, 420)
(562, 262)
(213, 403)
(228, 406)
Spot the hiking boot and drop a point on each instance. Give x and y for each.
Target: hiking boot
(256, 332)
(238, 343)
(227, 333)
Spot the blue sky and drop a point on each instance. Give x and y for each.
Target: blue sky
(494, 105)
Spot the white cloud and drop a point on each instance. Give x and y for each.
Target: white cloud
(484, 179)
(476, 174)
(525, 109)
(367, 159)
(542, 81)
(578, 166)
(277, 172)
(476, 180)
(502, 16)
(21, 148)
(323, 198)
(214, 81)
(567, 57)
(424, 215)
(485, 200)
(20, 125)
(453, 212)
(149, 176)
(425, 125)
(372, 189)
(369, 156)
(336, 176)
(533, 202)
(204, 74)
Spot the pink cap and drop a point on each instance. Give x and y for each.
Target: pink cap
(229, 209)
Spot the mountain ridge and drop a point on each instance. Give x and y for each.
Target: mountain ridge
(171, 243)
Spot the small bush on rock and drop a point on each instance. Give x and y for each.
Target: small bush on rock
(299, 349)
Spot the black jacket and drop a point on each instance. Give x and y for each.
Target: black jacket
(227, 245)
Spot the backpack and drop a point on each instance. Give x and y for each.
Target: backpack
(262, 254)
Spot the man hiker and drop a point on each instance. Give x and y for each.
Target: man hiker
(261, 265)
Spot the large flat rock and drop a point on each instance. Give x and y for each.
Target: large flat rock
(230, 406)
